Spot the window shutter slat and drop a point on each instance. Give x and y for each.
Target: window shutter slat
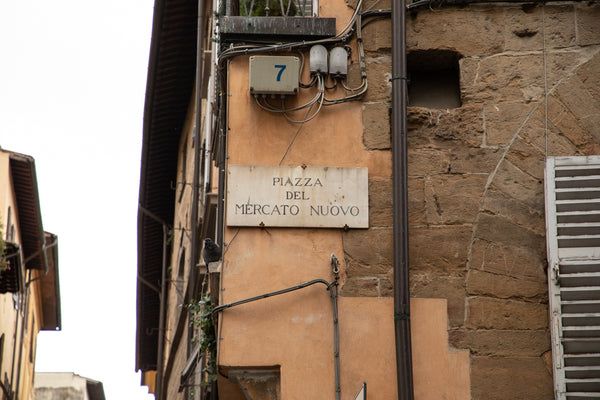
(572, 187)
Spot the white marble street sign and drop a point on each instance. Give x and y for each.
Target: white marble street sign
(318, 197)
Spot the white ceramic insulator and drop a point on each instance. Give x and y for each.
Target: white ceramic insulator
(318, 59)
(338, 62)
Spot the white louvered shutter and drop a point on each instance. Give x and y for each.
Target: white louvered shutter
(573, 246)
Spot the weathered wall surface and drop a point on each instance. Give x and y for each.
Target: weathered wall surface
(530, 88)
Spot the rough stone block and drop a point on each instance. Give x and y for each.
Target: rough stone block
(378, 35)
(491, 313)
(443, 128)
(439, 249)
(523, 29)
(427, 161)
(476, 33)
(514, 210)
(482, 283)
(454, 199)
(546, 137)
(588, 74)
(380, 203)
(570, 126)
(579, 101)
(368, 251)
(500, 230)
(518, 262)
(386, 287)
(483, 342)
(506, 77)
(560, 26)
(376, 126)
(360, 287)
(527, 158)
(464, 124)
(519, 185)
(560, 65)
(473, 160)
(416, 202)
(503, 120)
(442, 286)
(379, 73)
(588, 28)
(502, 378)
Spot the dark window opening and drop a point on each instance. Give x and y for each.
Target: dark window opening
(433, 79)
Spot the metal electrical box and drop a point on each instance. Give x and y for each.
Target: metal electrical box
(274, 75)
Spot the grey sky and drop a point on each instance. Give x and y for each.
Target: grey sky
(72, 83)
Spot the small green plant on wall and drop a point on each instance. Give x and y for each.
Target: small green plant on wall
(202, 318)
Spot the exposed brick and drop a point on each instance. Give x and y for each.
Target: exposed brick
(490, 313)
(484, 342)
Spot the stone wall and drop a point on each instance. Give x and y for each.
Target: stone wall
(530, 88)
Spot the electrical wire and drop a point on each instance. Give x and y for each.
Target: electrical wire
(343, 36)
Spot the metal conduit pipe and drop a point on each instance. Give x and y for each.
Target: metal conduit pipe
(332, 287)
(400, 199)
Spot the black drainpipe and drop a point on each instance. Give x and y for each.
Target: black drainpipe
(400, 197)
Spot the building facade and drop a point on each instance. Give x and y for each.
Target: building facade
(383, 220)
(29, 283)
(66, 386)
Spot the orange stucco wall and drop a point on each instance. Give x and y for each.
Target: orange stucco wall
(295, 331)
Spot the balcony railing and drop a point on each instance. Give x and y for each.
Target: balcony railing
(271, 8)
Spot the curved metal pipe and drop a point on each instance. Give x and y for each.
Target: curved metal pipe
(332, 287)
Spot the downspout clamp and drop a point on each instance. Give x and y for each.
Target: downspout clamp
(400, 198)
